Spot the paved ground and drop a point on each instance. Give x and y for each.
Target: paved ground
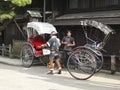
(10, 61)
(35, 78)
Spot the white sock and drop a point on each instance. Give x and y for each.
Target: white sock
(51, 69)
(59, 68)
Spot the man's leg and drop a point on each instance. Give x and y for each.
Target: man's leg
(59, 66)
(51, 65)
(58, 63)
(65, 58)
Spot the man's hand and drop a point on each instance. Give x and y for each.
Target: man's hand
(42, 46)
(68, 45)
(65, 43)
(71, 45)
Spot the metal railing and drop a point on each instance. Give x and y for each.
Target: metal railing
(6, 50)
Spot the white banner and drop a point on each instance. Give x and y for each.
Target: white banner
(46, 51)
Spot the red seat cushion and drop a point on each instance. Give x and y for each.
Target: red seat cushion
(37, 42)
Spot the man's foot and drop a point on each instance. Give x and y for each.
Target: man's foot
(50, 72)
(59, 72)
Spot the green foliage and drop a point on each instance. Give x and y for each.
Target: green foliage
(7, 8)
(6, 11)
(21, 3)
(7, 15)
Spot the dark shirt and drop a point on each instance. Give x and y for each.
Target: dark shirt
(69, 40)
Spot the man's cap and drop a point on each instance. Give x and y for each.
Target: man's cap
(53, 32)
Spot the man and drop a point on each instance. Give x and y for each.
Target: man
(68, 42)
(54, 44)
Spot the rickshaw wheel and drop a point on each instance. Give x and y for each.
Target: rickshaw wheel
(27, 56)
(81, 64)
(98, 58)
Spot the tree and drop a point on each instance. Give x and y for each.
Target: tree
(7, 10)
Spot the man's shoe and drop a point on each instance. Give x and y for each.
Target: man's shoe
(59, 72)
(50, 72)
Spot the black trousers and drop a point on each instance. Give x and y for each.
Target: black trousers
(65, 58)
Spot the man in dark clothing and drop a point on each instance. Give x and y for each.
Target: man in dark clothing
(68, 42)
(54, 44)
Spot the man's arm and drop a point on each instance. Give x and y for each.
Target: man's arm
(72, 44)
(47, 44)
(63, 41)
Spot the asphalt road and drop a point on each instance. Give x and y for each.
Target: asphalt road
(35, 78)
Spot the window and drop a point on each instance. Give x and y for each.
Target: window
(73, 4)
(111, 2)
(105, 3)
(92, 5)
(84, 4)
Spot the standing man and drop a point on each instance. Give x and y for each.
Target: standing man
(68, 42)
(54, 44)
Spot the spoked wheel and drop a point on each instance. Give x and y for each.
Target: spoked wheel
(27, 56)
(81, 64)
(98, 58)
(44, 60)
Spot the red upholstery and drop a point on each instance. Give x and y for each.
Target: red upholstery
(37, 42)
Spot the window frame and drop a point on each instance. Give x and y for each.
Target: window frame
(92, 7)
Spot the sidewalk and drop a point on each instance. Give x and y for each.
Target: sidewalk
(17, 62)
(10, 61)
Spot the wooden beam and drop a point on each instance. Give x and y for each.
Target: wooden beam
(113, 64)
(44, 10)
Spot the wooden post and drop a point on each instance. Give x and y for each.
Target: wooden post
(10, 51)
(44, 10)
(53, 14)
(113, 64)
(3, 49)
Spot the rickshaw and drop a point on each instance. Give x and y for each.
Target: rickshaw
(36, 32)
(84, 61)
